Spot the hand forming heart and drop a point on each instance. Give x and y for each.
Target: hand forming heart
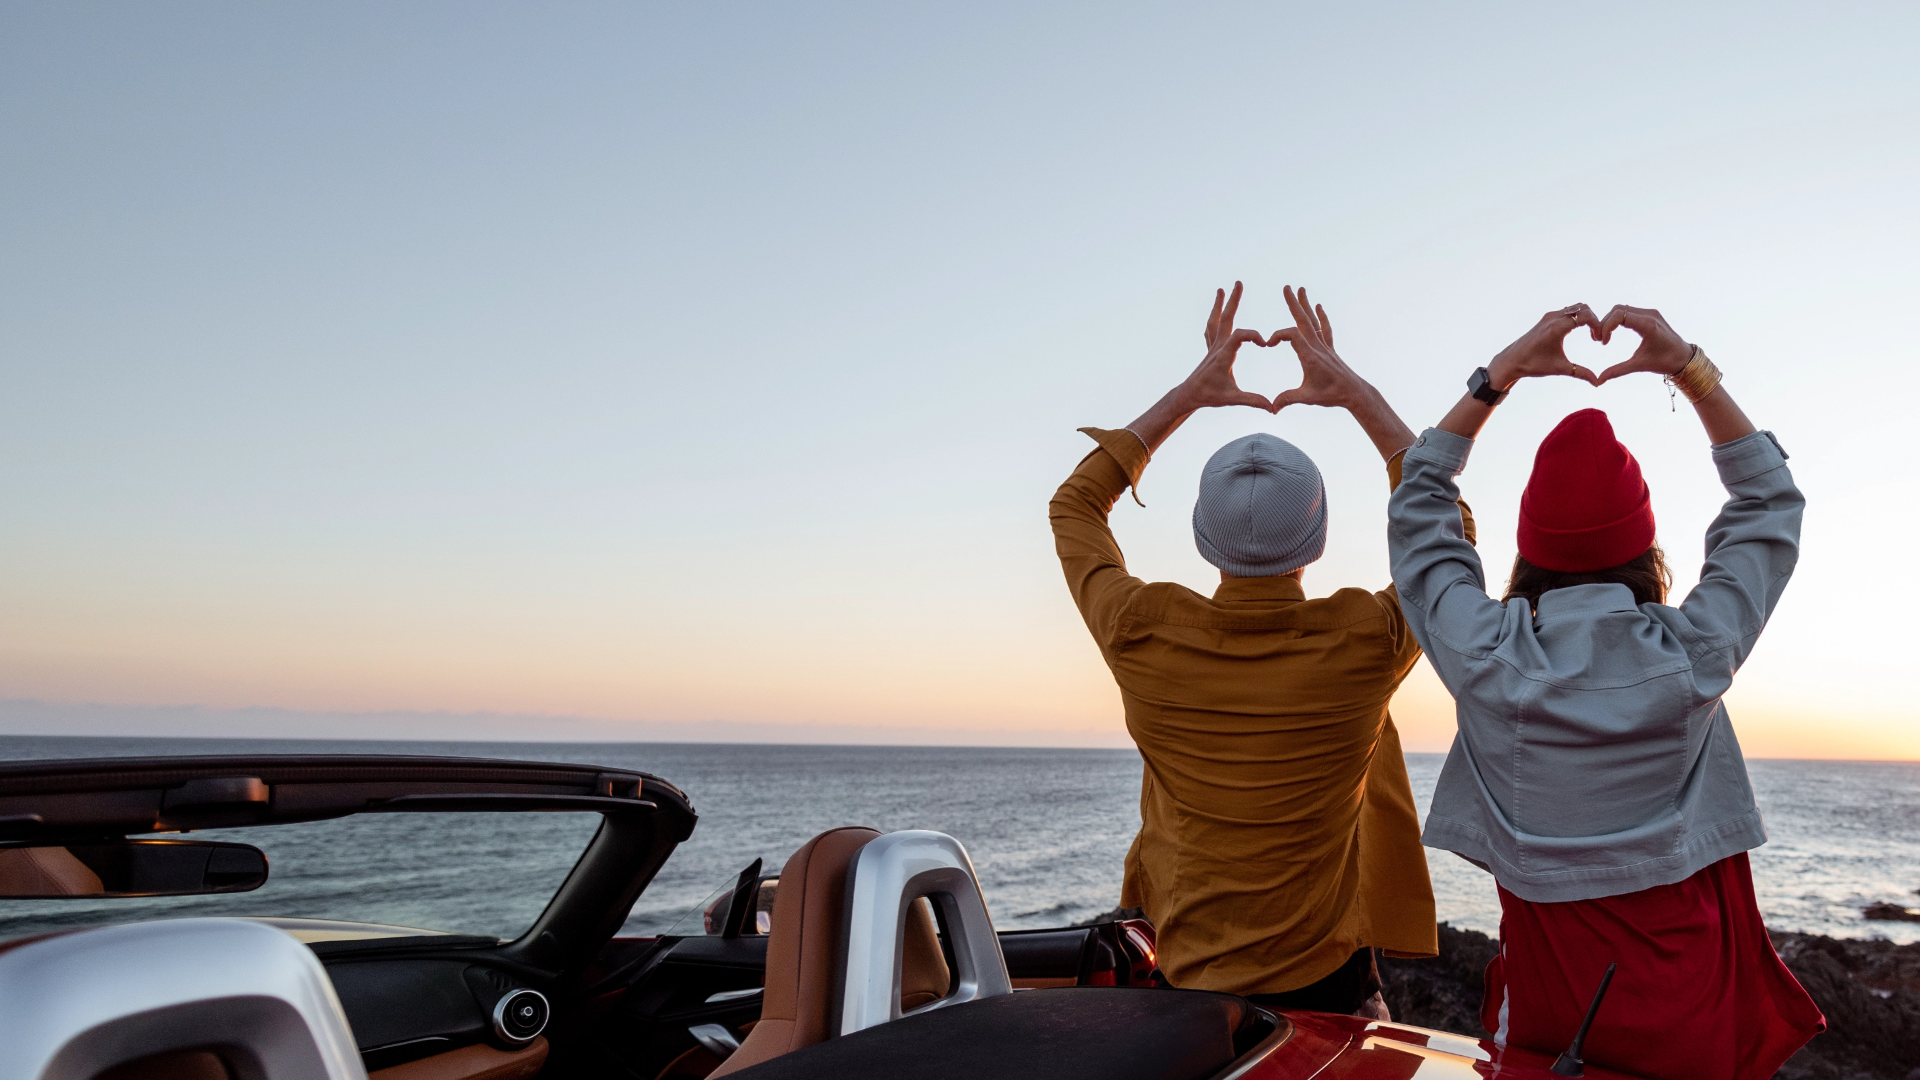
(1212, 383)
(1325, 379)
(1661, 349)
(1542, 350)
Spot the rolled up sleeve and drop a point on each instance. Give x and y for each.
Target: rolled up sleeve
(1089, 555)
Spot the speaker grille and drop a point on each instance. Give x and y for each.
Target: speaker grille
(520, 1016)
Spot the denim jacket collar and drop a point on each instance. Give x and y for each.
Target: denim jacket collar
(1577, 600)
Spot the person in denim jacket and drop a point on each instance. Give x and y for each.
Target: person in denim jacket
(1595, 772)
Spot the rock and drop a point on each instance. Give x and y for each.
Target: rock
(1112, 916)
(1443, 992)
(1869, 991)
(1884, 912)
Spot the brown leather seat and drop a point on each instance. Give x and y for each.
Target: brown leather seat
(804, 961)
(46, 871)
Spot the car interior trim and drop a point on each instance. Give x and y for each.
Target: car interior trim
(475, 1062)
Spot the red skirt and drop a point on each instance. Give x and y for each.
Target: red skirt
(1699, 994)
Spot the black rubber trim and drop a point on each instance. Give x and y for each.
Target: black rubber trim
(1073, 1033)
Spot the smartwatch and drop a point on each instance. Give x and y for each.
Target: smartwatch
(1480, 385)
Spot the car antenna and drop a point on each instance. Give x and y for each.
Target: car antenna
(743, 892)
(1570, 1063)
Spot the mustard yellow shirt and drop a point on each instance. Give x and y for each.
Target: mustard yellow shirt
(1277, 827)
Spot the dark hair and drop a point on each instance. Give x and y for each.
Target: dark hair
(1646, 574)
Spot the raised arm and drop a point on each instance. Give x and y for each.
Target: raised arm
(1754, 543)
(1540, 351)
(1435, 568)
(1095, 569)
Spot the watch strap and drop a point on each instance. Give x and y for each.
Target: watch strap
(1480, 385)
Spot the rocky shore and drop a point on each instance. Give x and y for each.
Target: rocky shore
(1869, 990)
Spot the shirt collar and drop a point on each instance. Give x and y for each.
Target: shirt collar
(1586, 599)
(1241, 589)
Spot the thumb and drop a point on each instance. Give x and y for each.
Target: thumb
(1245, 397)
(1625, 367)
(1291, 397)
(1584, 375)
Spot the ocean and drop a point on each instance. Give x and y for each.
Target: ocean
(1046, 829)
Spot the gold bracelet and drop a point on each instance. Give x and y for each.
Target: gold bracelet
(1697, 379)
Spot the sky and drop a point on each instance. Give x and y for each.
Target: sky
(624, 367)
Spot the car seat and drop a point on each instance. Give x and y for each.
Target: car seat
(807, 951)
(199, 998)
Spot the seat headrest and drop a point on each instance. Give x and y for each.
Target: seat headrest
(800, 1006)
(80, 1004)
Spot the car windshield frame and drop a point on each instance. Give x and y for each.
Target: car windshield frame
(642, 817)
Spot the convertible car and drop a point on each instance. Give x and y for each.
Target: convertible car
(182, 919)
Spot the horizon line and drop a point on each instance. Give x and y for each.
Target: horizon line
(743, 742)
(30, 718)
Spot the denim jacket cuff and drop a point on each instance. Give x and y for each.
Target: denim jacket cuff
(1747, 457)
(1442, 448)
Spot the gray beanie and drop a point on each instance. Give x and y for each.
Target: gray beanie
(1262, 508)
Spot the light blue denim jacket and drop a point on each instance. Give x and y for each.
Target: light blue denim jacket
(1593, 756)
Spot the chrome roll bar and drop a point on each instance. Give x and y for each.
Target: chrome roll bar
(891, 873)
(76, 1005)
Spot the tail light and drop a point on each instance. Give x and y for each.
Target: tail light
(1142, 948)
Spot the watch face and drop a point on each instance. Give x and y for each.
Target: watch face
(1481, 387)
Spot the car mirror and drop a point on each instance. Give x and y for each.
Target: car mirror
(129, 868)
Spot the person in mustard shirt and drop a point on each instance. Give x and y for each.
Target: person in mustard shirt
(1279, 846)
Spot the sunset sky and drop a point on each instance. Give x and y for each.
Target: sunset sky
(665, 364)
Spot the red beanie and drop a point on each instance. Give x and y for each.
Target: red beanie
(1586, 507)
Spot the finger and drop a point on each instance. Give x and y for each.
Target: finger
(1612, 322)
(1245, 397)
(1643, 321)
(1559, 328)
(1584, 316)
(1244, 336)
(1213, 320)
(1306, 309)
(1289, 334)
(1290, 397)
(1649, 318)
(1301, 320)
(1584, 375)
(1233, 307)
(1326, 325)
